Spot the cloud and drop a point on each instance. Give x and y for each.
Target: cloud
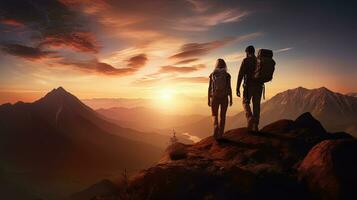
(283, 49)
(186, 61)
(148, 81)
(50, 23)
(175, 69)
(27, 52)
(190, 50)
(198, 49)
(204, 22)
(79, 41)
(97, 67)
(94, 66)
(198, 79)
(12, 22)
(199, 6)
(137, 61)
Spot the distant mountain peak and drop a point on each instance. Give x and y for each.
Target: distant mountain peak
(58, 91)
(58, 97)
(324, 89)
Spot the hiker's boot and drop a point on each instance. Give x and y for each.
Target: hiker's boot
(255, 127)
(250, 125)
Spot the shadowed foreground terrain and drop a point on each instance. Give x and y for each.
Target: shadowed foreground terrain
(286, 160)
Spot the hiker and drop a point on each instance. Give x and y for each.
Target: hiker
(255, 71)
(218, 92)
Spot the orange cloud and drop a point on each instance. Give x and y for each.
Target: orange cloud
(97, 67)
(12, 22)
(137, 61)
(79, 41)
(198, 79)
(199, 49)
(186, 61)
(175, 69)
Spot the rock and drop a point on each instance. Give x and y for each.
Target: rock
(330, 169)
(308, 123)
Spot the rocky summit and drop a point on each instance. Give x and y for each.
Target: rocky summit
(288, 159)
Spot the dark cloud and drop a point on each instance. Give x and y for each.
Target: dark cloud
(137, 61)
(175, 69)
(79, 41)
(31, 53)
(97, 67)
(51, 23)
(11, 22)
(198, 49)
(186, 61)
(94, 66)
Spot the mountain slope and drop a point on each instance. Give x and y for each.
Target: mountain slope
(60, 137)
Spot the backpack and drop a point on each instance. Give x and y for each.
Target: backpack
(219, 83)
(265, 66)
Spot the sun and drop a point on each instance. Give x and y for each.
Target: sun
(166, 94)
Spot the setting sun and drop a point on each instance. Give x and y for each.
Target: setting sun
(166, 94)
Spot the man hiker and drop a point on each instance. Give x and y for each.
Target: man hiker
(219, 90)
(255, 72)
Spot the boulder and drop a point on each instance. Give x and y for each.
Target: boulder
(330, 169)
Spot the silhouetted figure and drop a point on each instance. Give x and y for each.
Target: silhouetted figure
(255, 72)
(218, 92)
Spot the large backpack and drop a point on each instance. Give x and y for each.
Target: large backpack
(219, 83)
(265, 66)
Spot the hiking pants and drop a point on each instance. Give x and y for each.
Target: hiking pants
(252, 93)
(219, 102)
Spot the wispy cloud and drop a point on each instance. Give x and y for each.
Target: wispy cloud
(186, 61)
(203, 22)
(283, 49)
(198, 49)
(199, 5)
(149, 81)
(175, 69)
(190, 50)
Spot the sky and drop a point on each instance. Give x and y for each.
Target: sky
(166, 49)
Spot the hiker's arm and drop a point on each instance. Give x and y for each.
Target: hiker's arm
(209, 91)
(230, 91)
(240, 76)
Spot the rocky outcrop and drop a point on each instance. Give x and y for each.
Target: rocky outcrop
(330, 169)
(244, 165)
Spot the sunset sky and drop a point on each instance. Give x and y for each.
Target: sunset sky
(167, 48)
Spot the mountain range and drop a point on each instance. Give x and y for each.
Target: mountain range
(337, 112)
(59, 140)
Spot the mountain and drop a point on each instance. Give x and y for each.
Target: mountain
(60, 139)
(337, 112)
(288, 159)
(352, 94)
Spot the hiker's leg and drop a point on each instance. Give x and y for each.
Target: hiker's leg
(214, 109)
(224, 106)
(256, 99)
(246, 105)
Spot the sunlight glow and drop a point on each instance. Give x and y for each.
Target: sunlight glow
(166, 94)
